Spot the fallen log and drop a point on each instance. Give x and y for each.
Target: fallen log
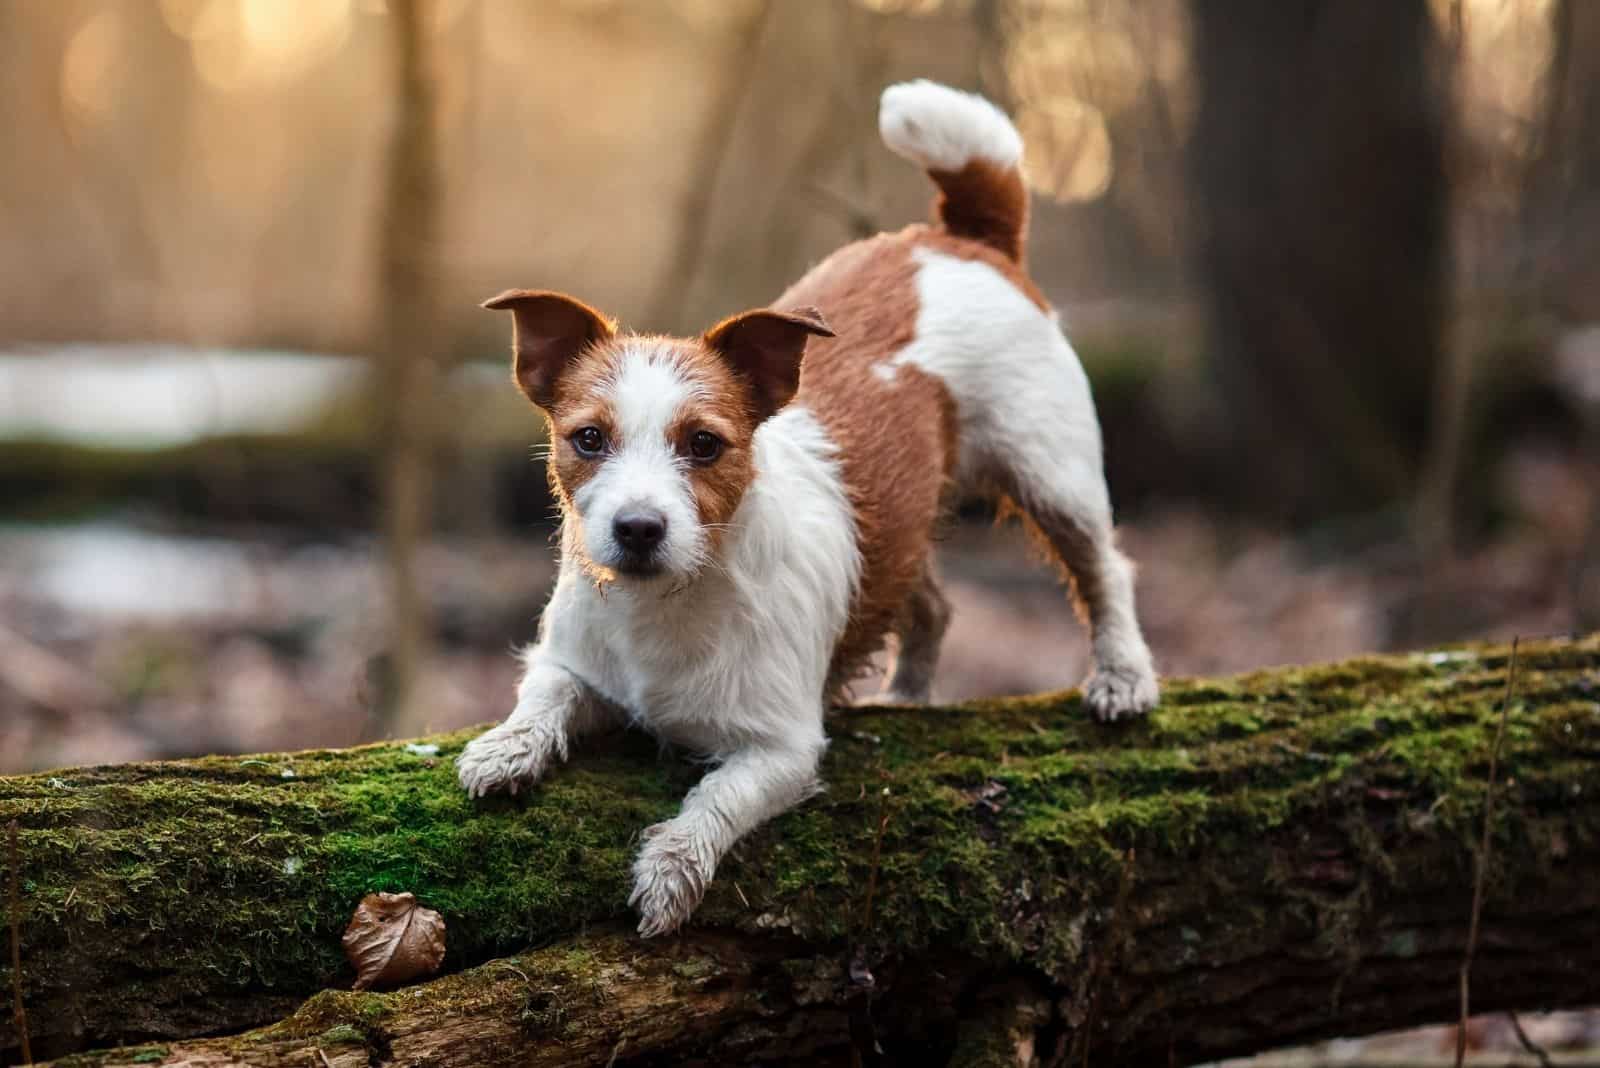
(1269, 859)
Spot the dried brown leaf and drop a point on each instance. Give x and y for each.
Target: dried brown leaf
(391, 939)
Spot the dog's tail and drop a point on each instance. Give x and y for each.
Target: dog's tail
(973, 154)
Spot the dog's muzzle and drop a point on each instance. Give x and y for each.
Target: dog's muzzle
(639, 534)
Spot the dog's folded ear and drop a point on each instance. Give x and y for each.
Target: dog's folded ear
(550, 330)
(764, 347)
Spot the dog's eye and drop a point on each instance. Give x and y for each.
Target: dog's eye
(705, 446)
(589, 441)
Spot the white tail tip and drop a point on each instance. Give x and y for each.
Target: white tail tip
(944, 129)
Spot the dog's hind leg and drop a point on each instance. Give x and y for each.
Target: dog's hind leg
(1067, 504)
(1038, 444)
(1028, 430)
(919, 634)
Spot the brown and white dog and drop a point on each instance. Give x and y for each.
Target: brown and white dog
(743, 528)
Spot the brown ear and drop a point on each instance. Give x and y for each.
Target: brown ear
(765, 347)
(549, 331)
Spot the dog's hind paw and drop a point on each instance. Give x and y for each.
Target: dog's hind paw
(1120, 693)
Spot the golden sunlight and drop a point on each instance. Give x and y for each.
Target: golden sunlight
(1068, 154)
(1504, 51)
(711, 14)
(1073, 74)
(1085, 58)
(438, 15)
(252, 44)
(88, 89)
(902, 7)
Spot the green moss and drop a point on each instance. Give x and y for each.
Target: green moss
(349, 1012)
(1004, 824)
(342, 1034)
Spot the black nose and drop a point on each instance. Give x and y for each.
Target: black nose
(639, 532)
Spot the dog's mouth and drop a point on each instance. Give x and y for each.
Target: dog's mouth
(634, 565)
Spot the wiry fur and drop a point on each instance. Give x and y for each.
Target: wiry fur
(787, 561)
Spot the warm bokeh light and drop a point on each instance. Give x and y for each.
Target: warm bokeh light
(184, 18)
(902, 7)
(196, 113)
(1093, 60)
(1504, 52)
(1068, 152)
(88, 82)
(710, 14)
(1075, 71)
(252, 44)
(438, 14)
(295, 33)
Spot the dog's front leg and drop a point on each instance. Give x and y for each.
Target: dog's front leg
(680, 856)
(552, 707)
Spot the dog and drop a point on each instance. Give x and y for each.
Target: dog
(748, 515)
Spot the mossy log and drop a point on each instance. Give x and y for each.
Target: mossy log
(1267, 859)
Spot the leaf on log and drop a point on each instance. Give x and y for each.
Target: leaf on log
(391, 939)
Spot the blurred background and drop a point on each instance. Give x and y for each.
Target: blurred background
(1333, 267)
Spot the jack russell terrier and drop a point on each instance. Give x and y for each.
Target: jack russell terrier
(742, 528)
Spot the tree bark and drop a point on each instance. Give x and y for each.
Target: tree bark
(1268, 859)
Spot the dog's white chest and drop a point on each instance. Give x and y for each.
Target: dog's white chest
(675, 664)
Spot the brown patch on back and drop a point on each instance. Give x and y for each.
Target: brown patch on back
(897, 437)
(986, 203)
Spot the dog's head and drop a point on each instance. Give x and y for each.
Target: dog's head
(651, 437)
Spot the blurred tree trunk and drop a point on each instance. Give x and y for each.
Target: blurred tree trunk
(716, 137)
(1437, 511)
(1561, 221)
(406, 376)
(1562, 198)
(1317, 157)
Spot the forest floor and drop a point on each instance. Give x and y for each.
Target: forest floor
(124, 641)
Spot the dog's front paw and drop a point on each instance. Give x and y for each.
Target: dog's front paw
(669, 880)
(1121, 693)
(502, 758)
